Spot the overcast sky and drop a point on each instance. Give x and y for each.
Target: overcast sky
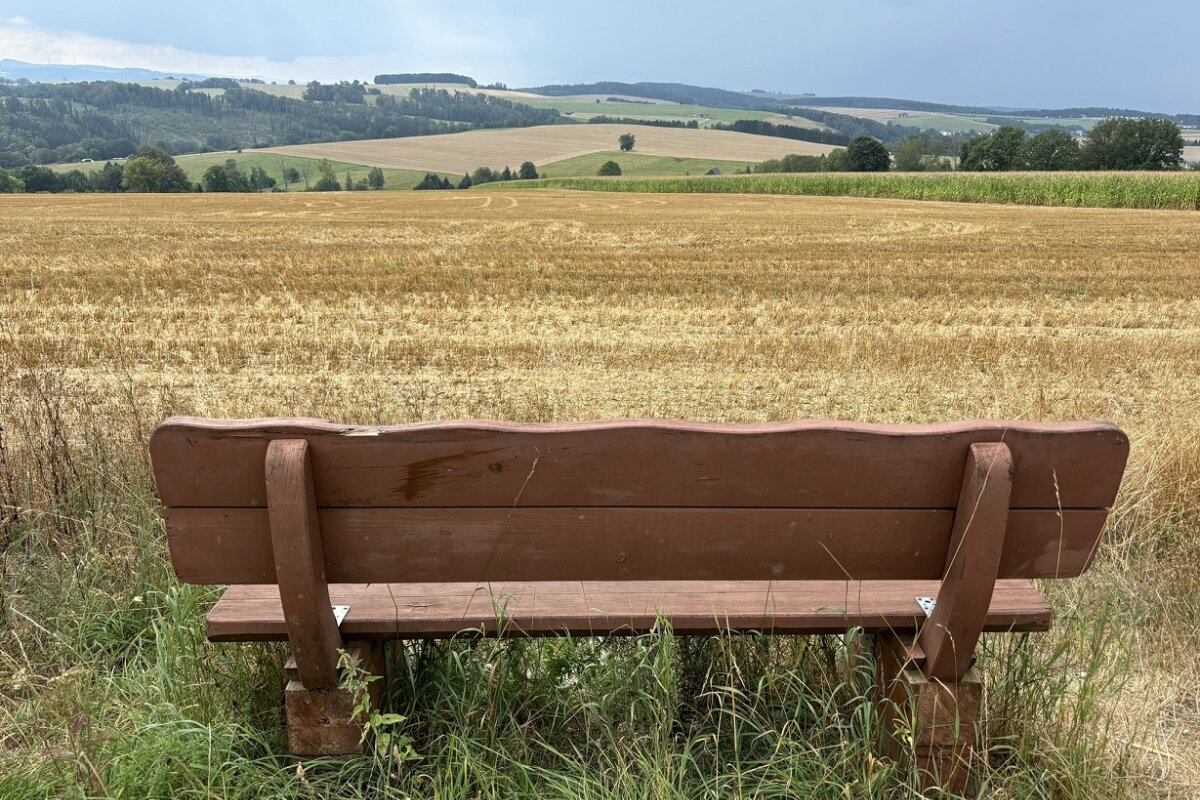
(1049, 53)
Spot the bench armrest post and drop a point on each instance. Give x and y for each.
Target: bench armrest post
(300, 563)
(950, 634)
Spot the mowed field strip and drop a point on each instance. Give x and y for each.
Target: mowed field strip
(546, 144)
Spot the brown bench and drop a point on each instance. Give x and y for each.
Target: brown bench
(430, 529)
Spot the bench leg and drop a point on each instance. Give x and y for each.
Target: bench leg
(321, 722)
(942, 718)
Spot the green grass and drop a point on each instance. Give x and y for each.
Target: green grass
(195, 165)
(638, 164)
(110, 688)
(1177, 190)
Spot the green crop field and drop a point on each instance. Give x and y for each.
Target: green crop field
(639, 164)
(1171, 190)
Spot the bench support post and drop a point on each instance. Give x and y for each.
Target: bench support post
(319, 712)
(926, 721)
(950, 634)
(321, 722)
(938, 702)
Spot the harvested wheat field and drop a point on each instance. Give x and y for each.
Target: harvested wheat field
(545, 144)
(385, 308)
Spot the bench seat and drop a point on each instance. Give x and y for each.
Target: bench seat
(436, 610)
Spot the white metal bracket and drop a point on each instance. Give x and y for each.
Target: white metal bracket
(927, 604)
(339, 614)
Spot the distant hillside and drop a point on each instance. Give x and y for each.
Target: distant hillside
(63, 73)
(1098, 112)
(44, 123)
(674, 92)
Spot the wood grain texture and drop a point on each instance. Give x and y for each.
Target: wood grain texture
(438, 610)
(210, 463)
(972, 563)
(394, 545)
(298, 556)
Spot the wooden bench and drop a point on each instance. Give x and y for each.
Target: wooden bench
(430, 529)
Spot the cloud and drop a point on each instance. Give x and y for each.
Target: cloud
(425, 41)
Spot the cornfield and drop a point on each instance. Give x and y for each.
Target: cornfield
(1148, 190)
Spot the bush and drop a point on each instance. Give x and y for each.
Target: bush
(609, 168)
(434, 181)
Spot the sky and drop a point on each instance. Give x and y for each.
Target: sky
(1043, 53)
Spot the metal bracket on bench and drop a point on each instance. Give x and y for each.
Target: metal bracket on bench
(927, 604)
(339, 614)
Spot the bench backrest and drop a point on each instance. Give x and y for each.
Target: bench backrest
(632, 500)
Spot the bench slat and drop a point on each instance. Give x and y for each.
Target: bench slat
(207, 463)
(469, 544)
(431, 610)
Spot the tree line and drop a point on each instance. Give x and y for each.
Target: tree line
(601, 119)
(1150, 143)
(101, 120)
(527, 171)
(153, 169)
(425, 77)
(763, 128)
(1118, 143)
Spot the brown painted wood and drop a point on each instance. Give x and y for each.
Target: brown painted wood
(972, 563)
(931, 722)
(322, 722)
(295, 536)
(438, 610)
(208, 463)
(394, 545)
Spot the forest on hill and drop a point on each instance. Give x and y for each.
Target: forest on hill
(43, 123)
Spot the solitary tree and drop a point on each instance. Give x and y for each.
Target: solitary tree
(609, 168)
(375, 178)
(153, 170)
(215, 179)
(328, 181)
(867, 155)
(528, 171)
(260, 180)
(626, 142)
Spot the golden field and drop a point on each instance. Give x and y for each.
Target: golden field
(545, 144)
(384, 308)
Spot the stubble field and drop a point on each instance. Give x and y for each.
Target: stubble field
(385, 308)
(456, 153)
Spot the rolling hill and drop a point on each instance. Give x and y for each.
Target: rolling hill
(462, 152)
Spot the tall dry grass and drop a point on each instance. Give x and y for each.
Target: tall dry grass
(115, 312)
